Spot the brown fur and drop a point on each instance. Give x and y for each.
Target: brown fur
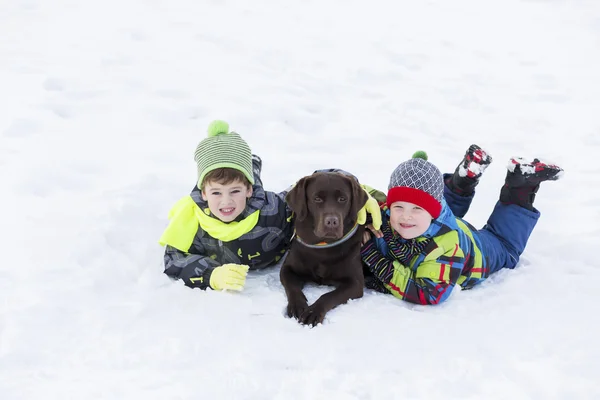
(326, 206)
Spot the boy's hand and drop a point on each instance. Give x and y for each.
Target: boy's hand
(369, 233)
(371, 207)
(366, 237)
(229, 276)
(376, 232)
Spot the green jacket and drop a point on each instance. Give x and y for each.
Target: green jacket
(196, 242)
(445, 255)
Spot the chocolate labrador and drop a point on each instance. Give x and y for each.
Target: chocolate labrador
(326, 247)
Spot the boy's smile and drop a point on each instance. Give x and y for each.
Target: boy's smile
(407, 226)
(227, 211)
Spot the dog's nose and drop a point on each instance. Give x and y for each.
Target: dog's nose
(331, 221)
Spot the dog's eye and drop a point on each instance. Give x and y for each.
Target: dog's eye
(342, 199)
(318, 200)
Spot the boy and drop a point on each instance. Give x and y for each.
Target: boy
(229, 223)
(426, 249)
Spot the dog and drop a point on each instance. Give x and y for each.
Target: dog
(326, 245)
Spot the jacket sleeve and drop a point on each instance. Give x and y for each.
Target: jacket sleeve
(287, 215)
(256, 169)
(431, 282)
(193, 269)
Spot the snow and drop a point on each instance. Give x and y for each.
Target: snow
(103, 104)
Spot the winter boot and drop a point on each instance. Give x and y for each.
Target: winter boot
(523, 180)
(467, 173)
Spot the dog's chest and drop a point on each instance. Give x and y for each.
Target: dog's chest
(322, 272)
(327, 274)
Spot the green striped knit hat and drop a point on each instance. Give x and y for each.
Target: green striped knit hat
(223, 149)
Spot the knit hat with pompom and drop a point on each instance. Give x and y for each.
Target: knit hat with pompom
(419, 182)
(223, 149)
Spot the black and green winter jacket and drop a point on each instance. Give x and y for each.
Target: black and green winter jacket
(259, 237)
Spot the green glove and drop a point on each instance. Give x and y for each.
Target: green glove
(229, 276)
(371, 207)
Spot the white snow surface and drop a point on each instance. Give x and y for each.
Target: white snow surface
(103, 103)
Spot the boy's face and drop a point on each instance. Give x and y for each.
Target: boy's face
(409, 220)
(226, 201)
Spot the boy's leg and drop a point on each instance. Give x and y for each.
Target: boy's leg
(457, 203)
(459, 188)
(505, 235)
(507, 231)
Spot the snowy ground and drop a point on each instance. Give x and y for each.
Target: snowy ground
(103, 103)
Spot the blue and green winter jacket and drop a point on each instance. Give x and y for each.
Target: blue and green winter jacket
(451, 254)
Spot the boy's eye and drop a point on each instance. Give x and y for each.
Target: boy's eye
(341, 199)
(216, 193)
(318, 200)
(235, 191)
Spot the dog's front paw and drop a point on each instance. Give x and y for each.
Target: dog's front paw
(296, 308)
(313, 315)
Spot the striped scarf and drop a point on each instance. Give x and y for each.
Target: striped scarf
(401, 249)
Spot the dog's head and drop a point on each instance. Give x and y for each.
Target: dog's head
(326, 203)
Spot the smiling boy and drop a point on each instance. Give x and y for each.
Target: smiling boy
(427, 248)
(229, 223)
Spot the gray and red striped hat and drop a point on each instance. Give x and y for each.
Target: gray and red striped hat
(419, 182)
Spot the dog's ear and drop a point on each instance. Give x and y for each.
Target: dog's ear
(296, 198)
(359, 197)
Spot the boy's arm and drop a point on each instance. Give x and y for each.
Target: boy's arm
(431, 283)
(195, 270)
(376, 194)
(256, 169)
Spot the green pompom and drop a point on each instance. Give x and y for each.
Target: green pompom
(420, 154)
(217, 127)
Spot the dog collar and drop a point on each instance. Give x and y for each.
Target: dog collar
(325, 245)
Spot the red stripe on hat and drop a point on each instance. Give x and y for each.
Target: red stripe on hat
(415, 196)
